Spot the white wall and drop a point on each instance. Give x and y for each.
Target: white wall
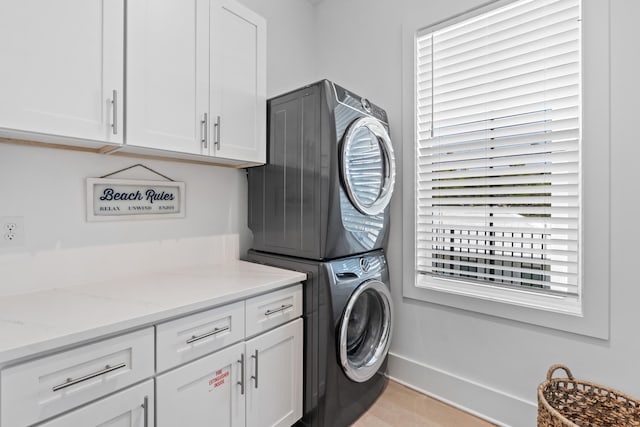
(291, 60)
(47, 186)
(486, 364)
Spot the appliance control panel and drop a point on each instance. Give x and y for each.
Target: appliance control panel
(358, 266)
(362, 104)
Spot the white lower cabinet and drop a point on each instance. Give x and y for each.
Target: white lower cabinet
(234, 365)
(274, 377)
(130, 408)
(43, 388)
(206, 392)
(253, 384)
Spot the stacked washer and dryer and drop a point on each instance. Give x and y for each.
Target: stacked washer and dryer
(321, 206)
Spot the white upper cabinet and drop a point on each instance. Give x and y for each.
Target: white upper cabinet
(196, 78)
(238, 82)
(62, 70)
(167, 74)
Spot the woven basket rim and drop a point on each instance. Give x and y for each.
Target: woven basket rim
(557, 414)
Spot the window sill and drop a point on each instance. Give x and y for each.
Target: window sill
(568, 305)
(508, 305)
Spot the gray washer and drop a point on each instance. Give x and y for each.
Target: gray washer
(348, 321)
(326, 188)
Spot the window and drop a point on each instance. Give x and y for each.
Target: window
(497, 162)
(498, 125)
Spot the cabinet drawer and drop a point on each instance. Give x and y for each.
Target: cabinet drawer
(190, 337)
(41, 388)
(275, 308)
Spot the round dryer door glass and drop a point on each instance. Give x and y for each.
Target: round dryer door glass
(368, 165)
(365, 331)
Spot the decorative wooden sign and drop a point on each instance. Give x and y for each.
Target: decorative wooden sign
(119, 199)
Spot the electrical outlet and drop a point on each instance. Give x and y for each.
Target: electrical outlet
(11, 231)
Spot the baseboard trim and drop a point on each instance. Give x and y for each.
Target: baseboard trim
(493, 405)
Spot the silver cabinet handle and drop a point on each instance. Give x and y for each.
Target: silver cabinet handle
(71, 381)
(241, 382)
(208, 334)
(114, 105)
(145, 407)
(283, 307)
(216, 127)
(204, 125)
(255, 377)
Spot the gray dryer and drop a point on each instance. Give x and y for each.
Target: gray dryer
(326, 188)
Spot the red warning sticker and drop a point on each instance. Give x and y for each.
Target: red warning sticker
(218, 380)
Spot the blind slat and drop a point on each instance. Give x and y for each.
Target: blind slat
(429, 148)
(513, 13)
(480, 220)
(570, 212)
(520, 282)
(499, 238)
(442, 190)
(487, 256)
(505, 106)
(502, 181)
(513, 164)
(523, 171)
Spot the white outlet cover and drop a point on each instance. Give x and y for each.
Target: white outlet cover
(12, 231)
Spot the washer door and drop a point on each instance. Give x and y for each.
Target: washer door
(365, 331)
(368, 167)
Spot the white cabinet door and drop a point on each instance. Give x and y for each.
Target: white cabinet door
(274, 377)
(206, 392)
(168, 74)
(129, 408)
(238, 82)
(62, 63)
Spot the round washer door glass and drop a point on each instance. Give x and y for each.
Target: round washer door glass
(368, 165)
(365, 331)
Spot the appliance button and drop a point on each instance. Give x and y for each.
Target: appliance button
(365, 104)
(364, 264)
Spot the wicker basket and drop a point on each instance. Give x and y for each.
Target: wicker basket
(567, 402)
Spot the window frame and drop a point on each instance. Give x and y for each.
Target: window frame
(591, 317)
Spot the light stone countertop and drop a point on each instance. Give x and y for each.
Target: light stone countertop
(42, 321)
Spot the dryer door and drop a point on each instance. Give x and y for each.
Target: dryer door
(368, 169)
(365, 331)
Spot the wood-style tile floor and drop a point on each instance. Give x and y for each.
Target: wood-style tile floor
(400, 406)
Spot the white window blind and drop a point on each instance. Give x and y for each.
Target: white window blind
(498, 148)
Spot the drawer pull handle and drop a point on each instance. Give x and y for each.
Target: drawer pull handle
(241, 382)
(71, 381)
(255, 377)
(208, 334)
(283, 307)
